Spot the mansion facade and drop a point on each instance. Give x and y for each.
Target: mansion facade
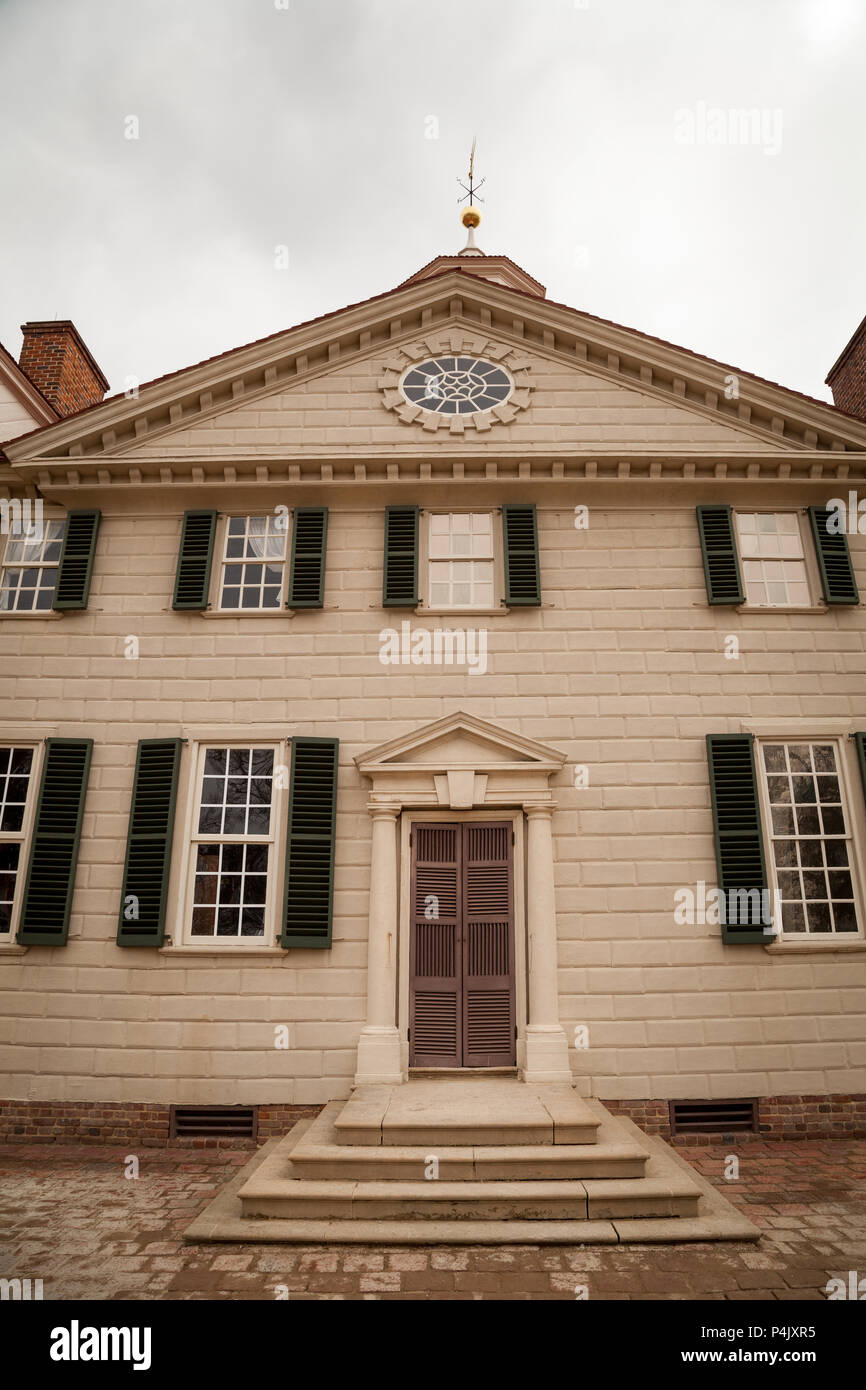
(457, 681)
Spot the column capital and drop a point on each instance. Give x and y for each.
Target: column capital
(383, 811)
(534, 809)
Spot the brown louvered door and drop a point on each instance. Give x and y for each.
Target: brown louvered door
(488, 945)
(435, 1029)
(462, 946)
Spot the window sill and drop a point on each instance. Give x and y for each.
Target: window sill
(423, 612)
(11, 948)
(47, 613)
(246, 612)
(812, 947)
(234, 951)
(782, 608)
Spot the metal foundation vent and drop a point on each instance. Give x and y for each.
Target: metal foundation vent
(213, 1122)
(711, 1116)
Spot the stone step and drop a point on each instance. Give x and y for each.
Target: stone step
(271, 1191)
(488, 1113)
(318, 1155)
(304, 1199)
(265, 1178)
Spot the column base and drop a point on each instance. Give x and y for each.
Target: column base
(379, 1058)
(547, 1054)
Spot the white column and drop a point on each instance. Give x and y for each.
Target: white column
(379, 1043)
(546, 1043)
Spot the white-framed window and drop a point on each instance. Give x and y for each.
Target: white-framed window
(461, 560)
(252, 572)
(811, 858)
(232, 876)
(29, 575)
(17, 799)
(773, 553)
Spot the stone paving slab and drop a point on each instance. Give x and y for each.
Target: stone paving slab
(70, 1217)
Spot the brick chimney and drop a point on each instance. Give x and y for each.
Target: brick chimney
(57, 360)
(847, 376)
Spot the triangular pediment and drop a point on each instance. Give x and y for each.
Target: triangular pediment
(324, 396)
(457, 742)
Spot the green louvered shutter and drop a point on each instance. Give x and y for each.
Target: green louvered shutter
(309, 896)
(520, 543)
(739, 839)
(54, 847)
(307, 571)
(76, 560)
(719, 551)
(834, 559)
(194, 560)
(860, 742)
(400, 565)
(148, 844)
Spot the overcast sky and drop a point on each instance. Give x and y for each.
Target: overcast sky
(615, 171)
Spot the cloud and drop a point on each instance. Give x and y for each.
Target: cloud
(309, 127)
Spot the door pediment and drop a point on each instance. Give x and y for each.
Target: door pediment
(460, 762)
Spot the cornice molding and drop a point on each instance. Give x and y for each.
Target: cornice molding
(56, 479)
(782, 419)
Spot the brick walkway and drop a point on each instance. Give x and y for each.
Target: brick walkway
(70, 1217)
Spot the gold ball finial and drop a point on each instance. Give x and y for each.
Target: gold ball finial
(470, 217)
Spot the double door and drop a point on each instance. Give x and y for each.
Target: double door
(461, 951)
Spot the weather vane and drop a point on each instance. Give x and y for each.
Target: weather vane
(472, 191)
(471, 215)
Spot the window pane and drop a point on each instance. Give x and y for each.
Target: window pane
(771, 549)
(259, 820)
(844, 917)
(9, 857)
(828, 789)
(255, 888)
(825, 758)
(230, 889)
(14, 786)
(228, 921)
(213, 791)
(232, 859)
(215, 760)
(833, 820)
(210, 820)
(811, 854)
(809, 838)
(206, 888)
(818, 917)
(253, 538)
(256, 861)
(253, 922)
